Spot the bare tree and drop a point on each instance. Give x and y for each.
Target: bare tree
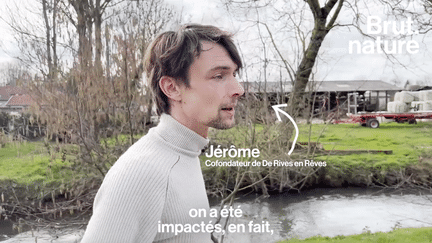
(91, 100)
(14, 74)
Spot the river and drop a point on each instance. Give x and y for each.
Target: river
(326, 212)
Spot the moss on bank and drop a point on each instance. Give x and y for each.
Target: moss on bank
(415, 235)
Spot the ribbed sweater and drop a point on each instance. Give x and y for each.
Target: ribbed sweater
(156, 181)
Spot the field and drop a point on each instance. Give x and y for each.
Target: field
(408, 143)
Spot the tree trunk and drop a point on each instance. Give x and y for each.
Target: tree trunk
(84, 45)
(304, 70)
(48, 39)
(54, 39)
(98, 37)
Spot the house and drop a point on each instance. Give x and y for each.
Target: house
(14, 99)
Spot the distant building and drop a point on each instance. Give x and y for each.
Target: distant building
(14, 99)
(365, 95)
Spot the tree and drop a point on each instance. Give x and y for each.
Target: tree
(89, 101)
(34, 27)
(14, 74)
(309, 35)
(323, 23)
(91, 104)
(297, 30)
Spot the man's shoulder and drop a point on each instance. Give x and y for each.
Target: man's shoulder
(147, 157)
(150, 147)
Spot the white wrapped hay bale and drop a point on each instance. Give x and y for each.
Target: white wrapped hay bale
(397, 96)
(401, 107)
(427, 106)
(405, 96)
(390, 106)
(416, 95)
(425, 95)
(397, 107)
(417, 105)
(421, 106)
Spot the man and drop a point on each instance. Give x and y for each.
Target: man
(158, 182)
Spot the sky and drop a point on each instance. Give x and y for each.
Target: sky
(335, 62)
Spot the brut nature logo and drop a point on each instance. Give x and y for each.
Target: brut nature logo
(375, 26)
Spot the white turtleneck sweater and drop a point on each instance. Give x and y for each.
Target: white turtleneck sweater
(156, 181)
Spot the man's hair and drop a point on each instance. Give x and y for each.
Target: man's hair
(172, 53)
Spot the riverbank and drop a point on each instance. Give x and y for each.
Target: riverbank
(328, 212)
(35, 174)
(393, 155)
(417, 235)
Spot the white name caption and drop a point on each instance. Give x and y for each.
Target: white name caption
(375, 26)
(232, 152)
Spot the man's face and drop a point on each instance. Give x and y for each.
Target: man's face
(213, 90)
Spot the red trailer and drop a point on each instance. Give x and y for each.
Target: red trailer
(371, 119)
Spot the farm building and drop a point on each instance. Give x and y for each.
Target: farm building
(344, 96)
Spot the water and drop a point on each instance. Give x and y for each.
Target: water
(326, 212)
(331, 212)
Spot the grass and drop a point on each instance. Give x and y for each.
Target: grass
(409, 143)
(415, 235)
(29, 162)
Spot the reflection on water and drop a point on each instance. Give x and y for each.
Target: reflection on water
(331, 212)
(327, 212)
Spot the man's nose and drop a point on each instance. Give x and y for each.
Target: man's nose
(236, 88)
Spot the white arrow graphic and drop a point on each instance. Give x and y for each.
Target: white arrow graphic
(277, 110)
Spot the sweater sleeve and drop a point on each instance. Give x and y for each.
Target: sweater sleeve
(129, 203)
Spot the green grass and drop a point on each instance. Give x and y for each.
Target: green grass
(408, 235)
(408, 142)
(29, 162)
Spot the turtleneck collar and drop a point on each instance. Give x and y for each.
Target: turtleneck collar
(180, 136)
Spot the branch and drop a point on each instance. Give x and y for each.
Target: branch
(328, 7)
(335, 15)
(288, 67)
(315, 8)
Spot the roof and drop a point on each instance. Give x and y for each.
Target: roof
(324, 86)
(19, 100)
(7, 91)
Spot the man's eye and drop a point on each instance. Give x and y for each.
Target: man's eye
(219, 76)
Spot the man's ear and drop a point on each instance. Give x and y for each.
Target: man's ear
(170, 88)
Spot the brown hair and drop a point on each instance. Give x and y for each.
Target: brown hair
(172, 53)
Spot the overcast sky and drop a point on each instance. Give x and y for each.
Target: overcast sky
(335, 62)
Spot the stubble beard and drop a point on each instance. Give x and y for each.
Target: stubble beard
(219, 123)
